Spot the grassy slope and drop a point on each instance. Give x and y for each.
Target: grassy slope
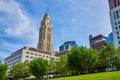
(98, 76)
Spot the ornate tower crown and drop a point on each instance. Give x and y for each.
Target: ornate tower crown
(46, 16)
(45, 42)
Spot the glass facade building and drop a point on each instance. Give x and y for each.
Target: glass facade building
(67, 45)
(109, 39)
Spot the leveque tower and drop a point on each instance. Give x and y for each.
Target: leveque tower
(45, 41)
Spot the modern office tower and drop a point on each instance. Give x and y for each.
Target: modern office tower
(45, 42)
(109, 39)
(115, 20)
(97, 42)
(26, 54)
(67, 45)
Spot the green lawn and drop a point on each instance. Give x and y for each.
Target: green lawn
(99, 76)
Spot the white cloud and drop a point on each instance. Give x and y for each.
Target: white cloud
(19, 22)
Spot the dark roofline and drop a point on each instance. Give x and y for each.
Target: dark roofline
(31, 49)
(100, 35)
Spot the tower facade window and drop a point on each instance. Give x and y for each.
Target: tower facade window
(114, 15)
(116, 28)
(117, 32)
(117, 14)
(115, 2)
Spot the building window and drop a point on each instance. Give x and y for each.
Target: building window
(27, 56)
(116, 28)
(31, 57)
(118, 22)
(46, 56)
(118, 42)
(115, 23)
(114, 15)
(118, 2)
(117, 14)
(117, 32)
(39, 55)
(119, 27)
(27, 52)
(118, 37)
(36, 54)
(31, 53)
(115, 3)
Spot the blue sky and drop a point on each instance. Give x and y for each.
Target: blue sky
(71, 20)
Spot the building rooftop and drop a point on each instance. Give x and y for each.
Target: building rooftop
(36, 50)
(113, 3)
(94, 37)
(31, 49)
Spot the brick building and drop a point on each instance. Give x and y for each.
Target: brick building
(97, 42)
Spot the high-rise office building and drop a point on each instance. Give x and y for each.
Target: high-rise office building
(67, 45)
(115, 20)
(109, 39)
(45, 42)
(97, 42)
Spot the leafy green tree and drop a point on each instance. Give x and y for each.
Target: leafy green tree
(62, 66)
(52, 65)
(3, 71)
(89, 60)
(108, 56)
(74, 59)
(81, 60)
(20, 70)
(39, 67)
(118, 61)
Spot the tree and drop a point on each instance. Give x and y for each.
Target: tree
(20, 70)
(52, 65)
(3, 71)
(74, 59)
(62, 66)
(108, 56)
(90, 59)
(81, 59)
(39, 67)
(118, 61)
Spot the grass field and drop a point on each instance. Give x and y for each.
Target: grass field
(99, 76)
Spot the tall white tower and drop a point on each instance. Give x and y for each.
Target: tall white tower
(115, 20)
(45, 41)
